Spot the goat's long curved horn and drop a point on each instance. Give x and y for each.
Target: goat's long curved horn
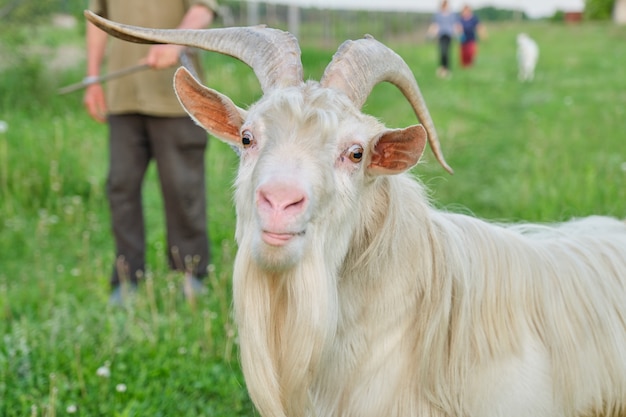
(273, 54)
(358, 66)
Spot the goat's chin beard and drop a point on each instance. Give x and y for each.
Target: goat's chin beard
(278, 258)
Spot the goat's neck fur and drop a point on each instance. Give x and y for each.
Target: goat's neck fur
(324, 312)
(385, 322)
(285, 322)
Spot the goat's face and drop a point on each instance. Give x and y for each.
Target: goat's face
(298, 172)
(307, 154)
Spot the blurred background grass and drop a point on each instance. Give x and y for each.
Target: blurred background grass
(542, 151)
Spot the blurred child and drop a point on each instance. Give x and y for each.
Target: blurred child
(471, 29)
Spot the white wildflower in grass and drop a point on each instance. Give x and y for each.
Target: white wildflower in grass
(182, 350)
(623, 166)
(4, 126)
(120, 388)
(71, 409)
(104, 371)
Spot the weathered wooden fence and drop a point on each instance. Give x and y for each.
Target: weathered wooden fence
(325, 26)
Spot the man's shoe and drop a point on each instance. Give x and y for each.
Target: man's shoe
(122, 294)
(193, 287)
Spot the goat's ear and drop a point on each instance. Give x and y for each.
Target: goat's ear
(398, 150)
(213, 111)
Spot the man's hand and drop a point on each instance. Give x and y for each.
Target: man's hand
(163, 56)
(95, 102)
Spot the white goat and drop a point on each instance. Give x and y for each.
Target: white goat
(355, 297)
(527, 56)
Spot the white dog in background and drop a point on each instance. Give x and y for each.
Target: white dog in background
(527, 56)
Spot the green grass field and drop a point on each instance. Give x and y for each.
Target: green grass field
(545, 151)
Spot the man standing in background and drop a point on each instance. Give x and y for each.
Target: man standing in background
(444, 27)
(147, 122)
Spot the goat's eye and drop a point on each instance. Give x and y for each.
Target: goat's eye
(355, 153)
(246, 138)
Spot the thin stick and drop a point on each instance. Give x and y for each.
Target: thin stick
(102, 78)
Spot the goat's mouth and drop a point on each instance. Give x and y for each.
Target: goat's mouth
(279, 239)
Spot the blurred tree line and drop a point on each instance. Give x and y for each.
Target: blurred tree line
(495, 14)
(20, 11)
(599, 9)
(594, 10)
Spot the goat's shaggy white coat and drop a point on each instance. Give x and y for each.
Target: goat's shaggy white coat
(382, 305)
(527, 57)
(354, 297)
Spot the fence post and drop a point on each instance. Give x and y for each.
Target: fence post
(293, 20)
(253, 13)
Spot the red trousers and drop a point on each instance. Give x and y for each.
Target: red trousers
(468, 52)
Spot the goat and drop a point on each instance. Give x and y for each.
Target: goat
(527, 56)
(353, 296)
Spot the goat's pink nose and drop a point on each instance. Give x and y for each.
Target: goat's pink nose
(281, 199)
